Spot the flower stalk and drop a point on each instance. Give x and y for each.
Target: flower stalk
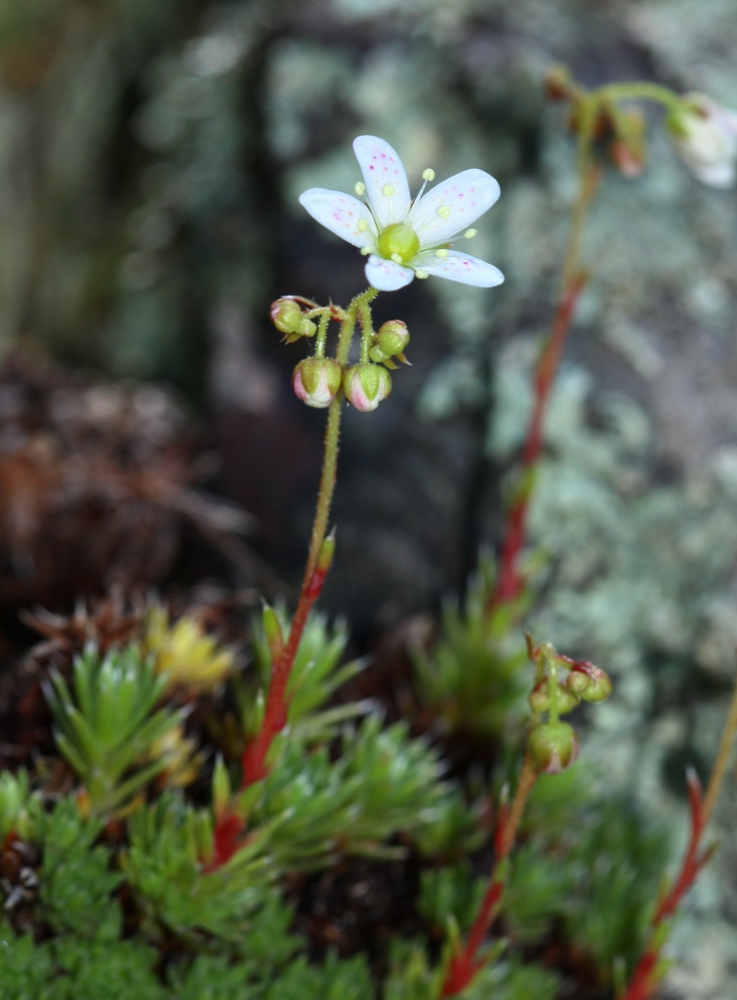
(464, 965)
(510, 581)
(649, 970)
(319, 559)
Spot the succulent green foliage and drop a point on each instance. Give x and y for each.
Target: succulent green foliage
(511, 980)
(166, 865)
(108, 724)
(597, 877)
(617, 867)
(265, 949)
(21, 811)
(450, 893)
(316, 675)
(76, 881)
(382, 782)
(474, 676)
(335, 980)
(70, 969)
(414, 977)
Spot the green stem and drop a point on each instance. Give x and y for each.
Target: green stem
(322, 334)
(722, 762)
(367, 330)
(643, 91)
(587, 178)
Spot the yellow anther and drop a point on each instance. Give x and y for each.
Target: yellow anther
(396, 258)
(441, 253)
(362, 226)
(428, 175)
(366, 251)
(419, 273)
(470, 233)
(444, 211)
(387, 190)
(359, 188)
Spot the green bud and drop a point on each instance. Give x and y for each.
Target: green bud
(392, 338)
(272, 631)
(553, 747)
(221, 791)
(578, 681)
(539, 697)
(600, 684)
(286, 315)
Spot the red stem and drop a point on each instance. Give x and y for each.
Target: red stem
(277, 702)
(510, 582)
(645, 979)
(464, 965)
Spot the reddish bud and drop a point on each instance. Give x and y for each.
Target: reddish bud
(286, 315)
(559, 83)
(316, 381)
(365, 386)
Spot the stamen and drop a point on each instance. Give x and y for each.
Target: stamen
(419, 273)
(441, 253)
(362, 226)
(470, 233)
(366, 251)
(427, 175)
(396, 258)
(387, 190)
(444, 211)
(359, 188)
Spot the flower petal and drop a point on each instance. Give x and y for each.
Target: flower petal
(341, 214)
(382, 171)
(461, 267)
(450, 207)
(386, 275)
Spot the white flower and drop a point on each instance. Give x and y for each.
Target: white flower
(704, 134)
(403, 238)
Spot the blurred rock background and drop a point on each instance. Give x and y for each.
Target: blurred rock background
(151, 155)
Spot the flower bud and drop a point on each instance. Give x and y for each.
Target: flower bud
(553, 747)
(628, 149)
(704, 134)
(286, 315)
(365, 386)
(590, 682)
(559, 84)
(316, 381)
(392, 338)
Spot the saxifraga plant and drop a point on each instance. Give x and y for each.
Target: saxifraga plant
(197, 882)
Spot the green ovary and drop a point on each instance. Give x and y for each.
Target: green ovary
(401, 240)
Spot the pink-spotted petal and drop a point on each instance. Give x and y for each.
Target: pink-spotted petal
(342, 214)
(386, 275)
(385, 179)
(452, 206)
(461, 267)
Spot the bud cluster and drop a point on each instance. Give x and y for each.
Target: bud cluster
(390, 342)
(703, 131)
(318, 380)
(287, 316)
(560, 685)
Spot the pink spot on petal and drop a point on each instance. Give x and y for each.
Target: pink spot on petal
(371, 167)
